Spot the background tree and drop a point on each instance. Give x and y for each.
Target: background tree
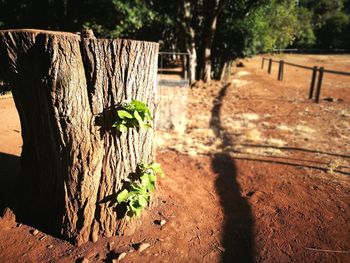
(330, 22)
(214, 32)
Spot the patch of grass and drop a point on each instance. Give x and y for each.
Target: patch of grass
(284, 128)
(304, 130)
(275, 142)
(253, 136)
(249, 116)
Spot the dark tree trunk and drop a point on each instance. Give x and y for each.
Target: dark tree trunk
(189, 33)
(66, 89)
(212, 9)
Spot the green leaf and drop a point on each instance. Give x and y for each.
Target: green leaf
(152, 178)
(135, 187)
(145, 180)
(137, 196)
(139, 119)
(134, 204)
(122, 196)
(139, 106)
(142, 201)
(124, 114)
(157, 168)
(151, 186)
(138, 212)
(133, 115)
(122, 128)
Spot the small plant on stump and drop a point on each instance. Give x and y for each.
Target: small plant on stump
(137, 194)
(134, 114)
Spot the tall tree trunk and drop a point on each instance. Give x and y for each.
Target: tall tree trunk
(190, 43)
(212, 7)
(66, 90)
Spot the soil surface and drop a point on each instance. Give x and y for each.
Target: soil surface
(261, 174)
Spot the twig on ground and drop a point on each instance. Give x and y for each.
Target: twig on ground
(328, 250)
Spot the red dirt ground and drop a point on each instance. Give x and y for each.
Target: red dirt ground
(261, 175)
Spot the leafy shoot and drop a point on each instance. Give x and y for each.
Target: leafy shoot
(134, 114)
(138, 194)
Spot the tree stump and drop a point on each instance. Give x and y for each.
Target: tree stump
(66, 89)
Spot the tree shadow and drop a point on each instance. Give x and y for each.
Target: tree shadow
(237, 237)
(10, 166)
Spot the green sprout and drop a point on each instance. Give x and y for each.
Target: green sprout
(138, 194)
(133, 115)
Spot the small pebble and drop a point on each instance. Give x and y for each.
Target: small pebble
(35, 232)
(121, 256)
(160, 222)
(222, 249)
(110, 245)
(82, 260)
(143, 246)
(50, 246)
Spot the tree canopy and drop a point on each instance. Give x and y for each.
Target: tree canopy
(213, 31)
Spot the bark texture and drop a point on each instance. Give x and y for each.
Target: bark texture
(213, 8)
(66, 90)
(189, 33)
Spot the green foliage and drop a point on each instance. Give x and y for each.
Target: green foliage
(332, 33)
(330, 23)
(305, 36)
(133, 115)
(273, 25)
(322, 9)
(121, 18)
(244, 27)
(266, 27)
(137, 195)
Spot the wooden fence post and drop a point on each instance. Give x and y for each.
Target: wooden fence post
(184, 64)
(262, 63)
(280, 70)
(313, 80)
(319, 85)
(189, 68)
(270, 66)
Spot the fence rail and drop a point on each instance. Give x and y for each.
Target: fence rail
(317, 73)
(313, 51)
(185, 66)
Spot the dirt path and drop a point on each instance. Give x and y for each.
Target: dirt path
(238, 186)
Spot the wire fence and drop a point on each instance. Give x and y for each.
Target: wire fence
(316, 76)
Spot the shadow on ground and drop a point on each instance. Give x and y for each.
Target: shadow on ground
(9, 169)
(237, 238)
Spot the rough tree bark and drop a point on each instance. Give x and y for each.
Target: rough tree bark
(212, 9)
(190, 44)
(66, 90)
